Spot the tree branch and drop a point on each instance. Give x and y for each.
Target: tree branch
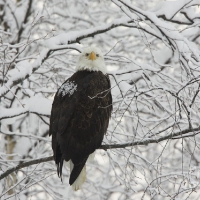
(104, 147)
(25, 164)
(149, 141)
(28, 12)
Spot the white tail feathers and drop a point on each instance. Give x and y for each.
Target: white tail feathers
(91, 157)
(82, 176)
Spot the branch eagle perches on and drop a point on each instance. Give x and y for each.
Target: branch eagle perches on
(184, 133)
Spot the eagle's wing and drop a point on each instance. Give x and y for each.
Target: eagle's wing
(79, 121)
(61, 113)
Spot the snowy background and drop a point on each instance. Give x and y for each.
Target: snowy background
(151, 49)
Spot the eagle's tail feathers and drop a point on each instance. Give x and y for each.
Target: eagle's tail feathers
(77, 184)
(91, 157)
(78, 173)
(80, 180)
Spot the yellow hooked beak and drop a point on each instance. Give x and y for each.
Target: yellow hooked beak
(92, 56)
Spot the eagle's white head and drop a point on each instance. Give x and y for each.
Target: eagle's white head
(91, 59)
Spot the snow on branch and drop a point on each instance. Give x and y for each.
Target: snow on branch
(20, 75)
(169, 9)
(37, 105)
(77, 36)
(187, 50)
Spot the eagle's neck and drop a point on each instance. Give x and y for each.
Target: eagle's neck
(97, 65)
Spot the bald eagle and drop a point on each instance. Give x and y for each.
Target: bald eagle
(80, 115)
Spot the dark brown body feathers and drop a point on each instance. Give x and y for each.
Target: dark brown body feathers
(79, 118)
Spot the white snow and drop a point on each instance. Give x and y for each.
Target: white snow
(36, 105)
(170, 8)
(67, 38)
(67, 88)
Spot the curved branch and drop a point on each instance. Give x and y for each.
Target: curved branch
(25, 164)
(104, 147)
(149, 141)
(24, 112)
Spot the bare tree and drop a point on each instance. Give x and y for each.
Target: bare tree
(151, 48)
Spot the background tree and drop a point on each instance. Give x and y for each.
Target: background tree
(151, 49)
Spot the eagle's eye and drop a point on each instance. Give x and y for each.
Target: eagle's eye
(87, 54)
(97, 55)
